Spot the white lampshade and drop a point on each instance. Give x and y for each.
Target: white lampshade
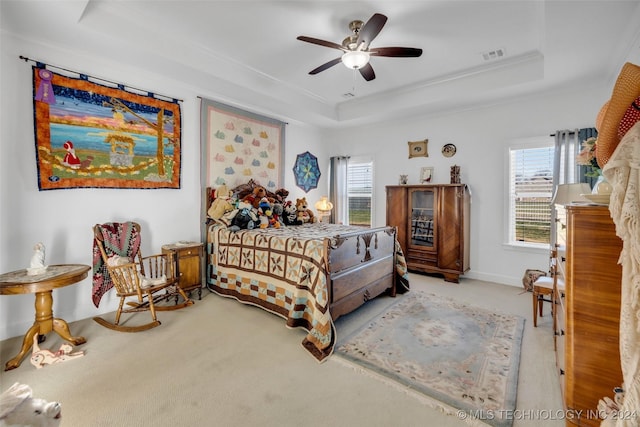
(570, 193)
(323, 206)
(355, 59)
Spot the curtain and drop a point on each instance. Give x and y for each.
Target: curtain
(565, 170)
(338, 167)
(566, 148)
(568, 144)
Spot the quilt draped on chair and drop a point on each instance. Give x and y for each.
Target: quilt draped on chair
(120, 238)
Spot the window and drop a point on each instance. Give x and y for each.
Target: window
(530, 192)
(359, 191)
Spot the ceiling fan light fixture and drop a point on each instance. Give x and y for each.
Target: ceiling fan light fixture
(355, 59)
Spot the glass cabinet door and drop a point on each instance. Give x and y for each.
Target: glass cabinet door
(422, 202)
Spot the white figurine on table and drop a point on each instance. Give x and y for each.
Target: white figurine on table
(37, 265)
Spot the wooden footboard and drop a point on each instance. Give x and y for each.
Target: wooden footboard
(361, 267)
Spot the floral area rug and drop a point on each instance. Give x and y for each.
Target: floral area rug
(462, 357)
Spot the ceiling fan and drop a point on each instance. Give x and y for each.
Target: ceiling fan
(357, 50)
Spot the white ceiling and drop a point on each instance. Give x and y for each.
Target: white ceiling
(249, 48)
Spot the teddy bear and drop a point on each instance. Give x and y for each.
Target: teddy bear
(290, 214)
(304, 213)
(222, 203)
(255, 196)
(281, 195)
(19, 408)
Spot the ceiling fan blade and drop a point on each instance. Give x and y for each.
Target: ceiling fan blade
(325, 66)
(367, 72)
(398, 52)
(371, 29)
(321, 42)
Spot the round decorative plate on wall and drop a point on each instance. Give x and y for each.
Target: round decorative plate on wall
(448, 150)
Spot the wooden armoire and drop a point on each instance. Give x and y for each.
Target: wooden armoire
(433, 227)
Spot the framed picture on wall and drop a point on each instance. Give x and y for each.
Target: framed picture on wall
(426, 175)
(418, 148)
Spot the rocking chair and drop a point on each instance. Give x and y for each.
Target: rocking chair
(135, 276)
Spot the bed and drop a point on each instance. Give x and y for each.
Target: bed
(308, 274)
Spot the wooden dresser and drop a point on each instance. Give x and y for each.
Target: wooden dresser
(433, 226)
(588, 317)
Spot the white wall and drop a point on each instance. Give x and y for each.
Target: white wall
(62, 219)
(481, 137)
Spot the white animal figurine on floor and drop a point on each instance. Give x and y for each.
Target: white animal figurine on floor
(37, 266)
(19, 409)
(40, 357)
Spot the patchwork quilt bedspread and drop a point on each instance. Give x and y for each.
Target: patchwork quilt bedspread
(283, 270)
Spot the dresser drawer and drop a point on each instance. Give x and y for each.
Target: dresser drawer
(423, 256)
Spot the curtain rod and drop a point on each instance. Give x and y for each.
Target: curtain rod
(570, 132)
(43, 65)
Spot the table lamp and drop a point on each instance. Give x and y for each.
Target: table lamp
(570, 193)
(323, 206)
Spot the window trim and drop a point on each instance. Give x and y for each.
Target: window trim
(519, 144)
(370, 160)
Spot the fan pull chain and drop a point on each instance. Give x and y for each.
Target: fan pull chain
(353, 89)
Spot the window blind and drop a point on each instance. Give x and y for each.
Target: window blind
(531, 187)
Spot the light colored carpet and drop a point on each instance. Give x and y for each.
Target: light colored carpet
(222, 363)
(462, 356)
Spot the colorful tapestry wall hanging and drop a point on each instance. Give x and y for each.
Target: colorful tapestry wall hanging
(92, 135)
(239, 146)
(306, 171)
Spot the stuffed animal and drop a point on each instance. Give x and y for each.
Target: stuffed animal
(19, 408)
(256, 195)
(278, 210)
(265, 213)
(222, 204)
(304, 213)
(530, 277)
(243, 218)
(281, 195)
(41, 357)
(290, 214)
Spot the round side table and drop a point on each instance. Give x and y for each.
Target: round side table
(56, 276)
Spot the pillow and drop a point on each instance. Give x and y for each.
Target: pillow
(147, 282)
(117, 260)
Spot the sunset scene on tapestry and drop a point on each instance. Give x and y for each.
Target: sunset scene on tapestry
(90, 135)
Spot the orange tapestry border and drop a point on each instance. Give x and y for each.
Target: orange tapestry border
(90, 135)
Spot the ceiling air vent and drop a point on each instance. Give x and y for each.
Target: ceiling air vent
(494, 54)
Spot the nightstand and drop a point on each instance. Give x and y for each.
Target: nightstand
(186, 261)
